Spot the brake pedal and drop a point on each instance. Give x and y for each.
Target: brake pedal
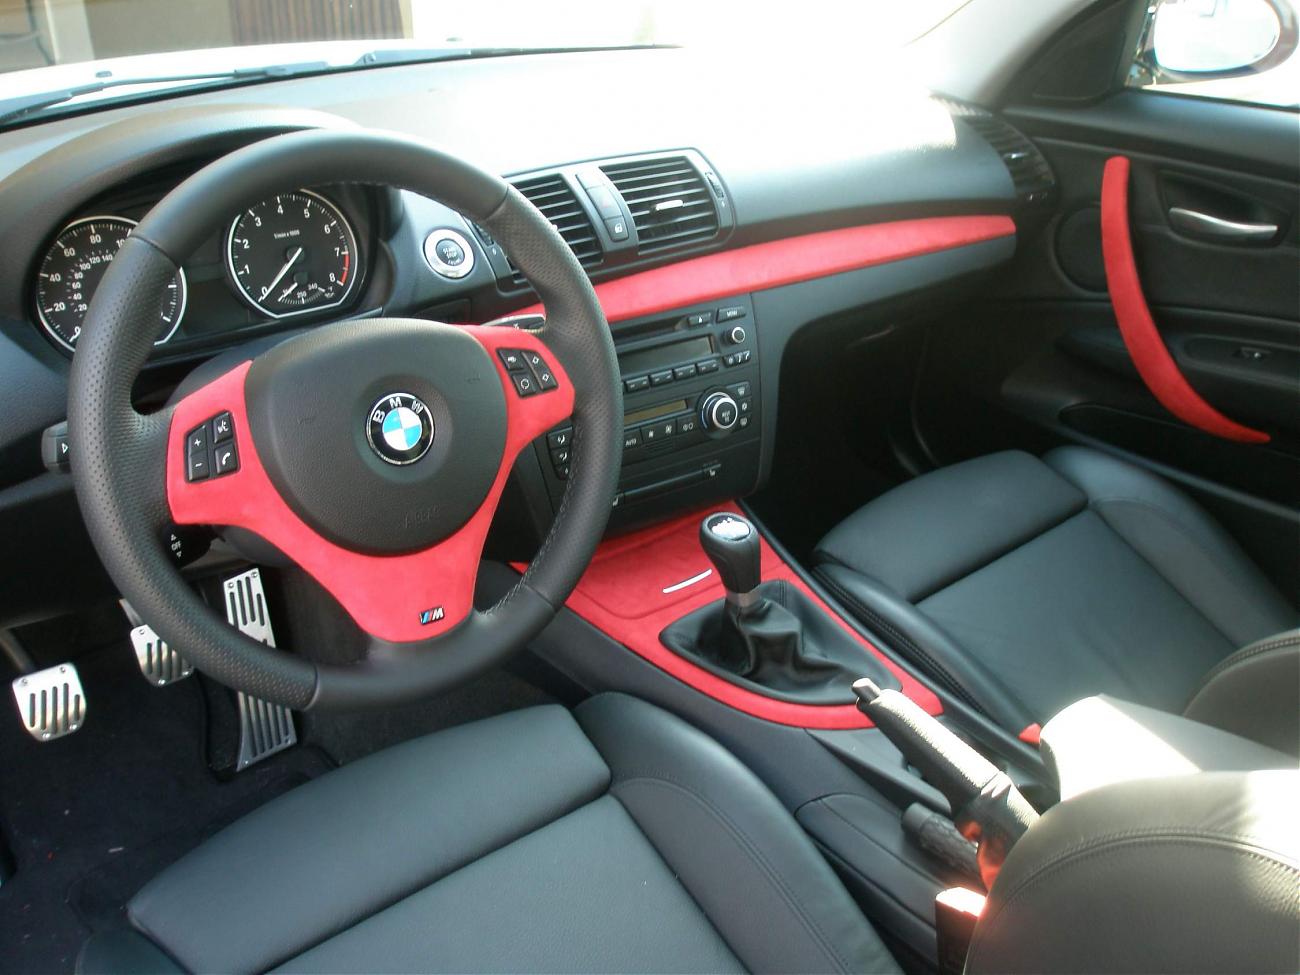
(264, 728)
(159, 663)
(51, 702)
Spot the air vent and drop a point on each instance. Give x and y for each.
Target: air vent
(552, 195)
(670, 203)
(1029, 170)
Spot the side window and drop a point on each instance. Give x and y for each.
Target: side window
(1240, 50)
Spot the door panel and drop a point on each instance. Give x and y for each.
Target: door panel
(1042, 360)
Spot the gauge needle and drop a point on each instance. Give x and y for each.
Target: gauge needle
(284, 270)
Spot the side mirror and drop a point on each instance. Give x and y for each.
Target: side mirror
(1195, 40)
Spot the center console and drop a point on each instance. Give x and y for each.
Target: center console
(691, 396)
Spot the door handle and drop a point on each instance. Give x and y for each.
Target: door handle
(1207, 225)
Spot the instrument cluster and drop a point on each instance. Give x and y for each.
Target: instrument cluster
(293, 255)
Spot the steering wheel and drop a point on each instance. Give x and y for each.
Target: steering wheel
(372, 452)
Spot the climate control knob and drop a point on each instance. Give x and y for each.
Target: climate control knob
(718, 413)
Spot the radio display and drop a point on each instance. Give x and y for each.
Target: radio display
(654, 412)
(664, 355)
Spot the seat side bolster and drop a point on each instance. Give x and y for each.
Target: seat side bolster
(925, 643)
(735, 848)
(1255, 693)
(123, 951)
(1179, 540)
(933, 530)
(334, 851)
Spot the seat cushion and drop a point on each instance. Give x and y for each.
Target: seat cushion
(614, 839)
(1023, 585)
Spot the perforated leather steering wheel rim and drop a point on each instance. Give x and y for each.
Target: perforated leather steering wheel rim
(121, 460)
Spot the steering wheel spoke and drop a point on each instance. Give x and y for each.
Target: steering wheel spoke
(217, 475)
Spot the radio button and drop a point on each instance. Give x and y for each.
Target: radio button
(708, 365)
(730, 314)
(685, 372)
(698, 319)
(636, 384)
(661, 378)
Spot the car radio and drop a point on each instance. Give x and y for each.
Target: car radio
(691, 401)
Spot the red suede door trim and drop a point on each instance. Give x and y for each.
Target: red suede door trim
(1150, 354)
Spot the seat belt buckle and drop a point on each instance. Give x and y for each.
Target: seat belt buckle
(956, 912)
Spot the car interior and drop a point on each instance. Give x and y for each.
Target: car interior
(663, 487)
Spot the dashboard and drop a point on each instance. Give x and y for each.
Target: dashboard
(748, 200)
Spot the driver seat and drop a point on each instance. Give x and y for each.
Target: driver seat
(613, 838)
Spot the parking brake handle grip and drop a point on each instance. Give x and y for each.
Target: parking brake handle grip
(987, 807)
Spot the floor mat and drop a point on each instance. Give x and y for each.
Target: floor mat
(91, 817)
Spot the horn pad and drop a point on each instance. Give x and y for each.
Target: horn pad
(373, 483)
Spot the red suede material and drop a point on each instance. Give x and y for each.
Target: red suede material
(1031, 734)
(384, 594)
(780, 262)
(622, 595)
(1150, 355)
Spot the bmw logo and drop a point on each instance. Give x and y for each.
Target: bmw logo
(399, 428)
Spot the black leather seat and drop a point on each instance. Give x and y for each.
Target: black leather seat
(1023, 585)
(615, 838)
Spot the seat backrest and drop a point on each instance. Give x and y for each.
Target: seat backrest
(1193, 873)
(1255, 693)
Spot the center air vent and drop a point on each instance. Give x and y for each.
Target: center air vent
(552, 195)
(671, 205)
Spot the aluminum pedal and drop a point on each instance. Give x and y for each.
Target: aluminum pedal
(51, 702)
(160, 664)
(264, 728)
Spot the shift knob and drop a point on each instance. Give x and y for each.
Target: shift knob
(731, 543)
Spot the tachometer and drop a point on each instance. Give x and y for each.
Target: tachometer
(71, 271)
(292, 254)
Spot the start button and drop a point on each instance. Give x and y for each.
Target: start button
(449, 253)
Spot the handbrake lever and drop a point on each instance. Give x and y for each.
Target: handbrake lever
(987, 807)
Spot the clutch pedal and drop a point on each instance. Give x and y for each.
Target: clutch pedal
(264, 728)
(51, 702)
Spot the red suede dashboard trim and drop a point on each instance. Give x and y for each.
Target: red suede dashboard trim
(788, 261)
(1150, 355)
(622, 594)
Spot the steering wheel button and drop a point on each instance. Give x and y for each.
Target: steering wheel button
(525, 384)
(223, 428)
(513, 360)
(560, 438)
(225, 458)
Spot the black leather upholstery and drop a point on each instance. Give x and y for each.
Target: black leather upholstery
(1022, 585)
(1253, 693)
(1193, 873)
(614, 839)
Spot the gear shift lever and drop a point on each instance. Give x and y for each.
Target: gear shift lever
(731, 543)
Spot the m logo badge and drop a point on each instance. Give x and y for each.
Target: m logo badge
(431, 615)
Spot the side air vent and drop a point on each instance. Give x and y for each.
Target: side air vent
(1030, 173)
(553, 196)
(670, 203)
(1029, 170)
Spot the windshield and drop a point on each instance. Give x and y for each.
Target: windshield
(61, 55)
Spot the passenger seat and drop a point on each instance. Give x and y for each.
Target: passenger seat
(1022, 585)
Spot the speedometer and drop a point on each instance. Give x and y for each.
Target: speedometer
(292, 254)
(71, 271)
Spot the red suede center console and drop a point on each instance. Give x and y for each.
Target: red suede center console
(638, 584)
